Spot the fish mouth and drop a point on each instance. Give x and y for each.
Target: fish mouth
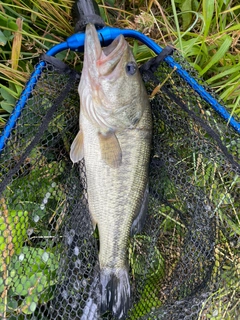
(106, 59)
(115, 49)
(112, 56)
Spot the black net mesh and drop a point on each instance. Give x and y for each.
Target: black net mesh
(185, 262)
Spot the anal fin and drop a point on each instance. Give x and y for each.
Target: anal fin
(139, 220)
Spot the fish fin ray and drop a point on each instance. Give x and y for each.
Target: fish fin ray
(110, 149)
(91, 308)
(76, 151)
(115, 292)
(139, 219)
(94, 224)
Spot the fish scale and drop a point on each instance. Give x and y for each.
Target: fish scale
(114, 192)
(115, 141)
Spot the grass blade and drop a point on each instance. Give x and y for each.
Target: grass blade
(218, 55)
(16, 46)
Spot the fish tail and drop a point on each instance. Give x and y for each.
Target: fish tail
(91, 308)
(115, 292)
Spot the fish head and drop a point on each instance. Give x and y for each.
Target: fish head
(111, 90)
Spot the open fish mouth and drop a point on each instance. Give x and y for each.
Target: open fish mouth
(106, 59)
(115, 48)
(112, 56)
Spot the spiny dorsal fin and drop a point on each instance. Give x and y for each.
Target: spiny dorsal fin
(110, 149)
(76, 151)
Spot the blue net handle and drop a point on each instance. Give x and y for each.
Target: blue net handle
(106, 36)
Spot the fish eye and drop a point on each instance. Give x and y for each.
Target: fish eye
(131, 68)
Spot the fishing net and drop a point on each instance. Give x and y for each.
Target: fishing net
(184, 264)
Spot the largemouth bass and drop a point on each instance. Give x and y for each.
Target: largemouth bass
(115, 141)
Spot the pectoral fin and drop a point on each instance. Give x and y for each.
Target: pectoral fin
(76, 151)
(110, 149)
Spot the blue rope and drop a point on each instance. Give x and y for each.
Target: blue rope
(21, 103)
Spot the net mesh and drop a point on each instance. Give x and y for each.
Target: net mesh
(185, 262)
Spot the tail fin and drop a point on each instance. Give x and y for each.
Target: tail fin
(91, 308)
(115, 292)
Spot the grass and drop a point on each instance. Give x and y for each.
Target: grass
(205, 32)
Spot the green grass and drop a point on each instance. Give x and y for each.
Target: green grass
(206, 33)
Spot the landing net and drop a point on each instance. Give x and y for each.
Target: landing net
(184, 264)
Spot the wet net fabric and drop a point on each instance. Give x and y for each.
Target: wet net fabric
(184, 264)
